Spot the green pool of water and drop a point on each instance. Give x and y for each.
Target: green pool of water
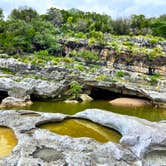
(149, 113)
(83, 128)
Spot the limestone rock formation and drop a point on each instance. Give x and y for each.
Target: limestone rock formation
(24, 85)
(85, 98)
(14, 102)
(130, 102)
(142, 143)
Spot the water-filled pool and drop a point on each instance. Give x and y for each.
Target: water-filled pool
(83, 128)
(149, 113)
(7, 141)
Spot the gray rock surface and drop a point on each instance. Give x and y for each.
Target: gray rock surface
(26, 80)
(142, 143)
(14, 102)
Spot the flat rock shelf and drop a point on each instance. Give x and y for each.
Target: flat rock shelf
(142, 142)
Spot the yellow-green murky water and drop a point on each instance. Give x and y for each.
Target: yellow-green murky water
(149, 113)
(83, 128)
(7, 141)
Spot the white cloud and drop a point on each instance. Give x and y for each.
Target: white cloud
(115, 8)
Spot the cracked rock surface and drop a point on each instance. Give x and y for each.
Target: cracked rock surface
(143, 143)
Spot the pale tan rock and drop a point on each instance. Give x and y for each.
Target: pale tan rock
(71, 101)
(14, 102)
(130, 102)
(85, 98)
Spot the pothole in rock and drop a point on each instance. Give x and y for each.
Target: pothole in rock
(48, 154)
(83, 128)
(7, 141)
(156, 158)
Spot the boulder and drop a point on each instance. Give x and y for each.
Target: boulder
(130, 102)
(85, 98)
(71, 101)
(14, 102)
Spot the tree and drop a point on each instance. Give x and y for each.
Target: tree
(121, 26)
(139, 23)
(45, 36)
(17, 37)
(1, 14)
(81, 25)
(24, 13)
(159, 26)
(54, 15)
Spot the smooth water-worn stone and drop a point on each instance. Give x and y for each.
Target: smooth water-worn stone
(14, 102)
(71, 101)
(85, 98)
(130, 102)
(142, 142)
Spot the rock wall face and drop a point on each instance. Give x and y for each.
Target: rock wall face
(22, 83)
(125, 60)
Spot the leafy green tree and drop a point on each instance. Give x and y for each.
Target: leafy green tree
(55, 16)
(81, 25)
(1, 14)
(24, 13)
(139, 23)
(121, 26)
(45, 36)
(17, 37)
(159, 26)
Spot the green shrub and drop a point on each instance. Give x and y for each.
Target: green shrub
(129, 44)
(88, 55)
(91, 41)
(79, 67)
(154, 79)
(76, 89)
(154, 41)
(120, 73)
(41, 53)
(73, 53)
(154, 53)
(101, 77)
(80, 35)
(56, 60)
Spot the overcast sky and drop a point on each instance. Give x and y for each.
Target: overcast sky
(115, 8)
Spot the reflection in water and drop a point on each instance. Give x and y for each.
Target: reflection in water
(7, 141)
(149, 113)
(83, 128)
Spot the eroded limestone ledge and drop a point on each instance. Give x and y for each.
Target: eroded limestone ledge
(142, 142)
(52, 82)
